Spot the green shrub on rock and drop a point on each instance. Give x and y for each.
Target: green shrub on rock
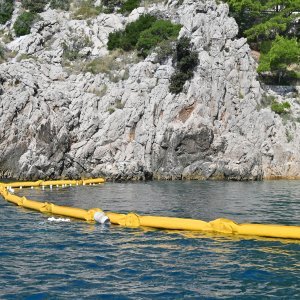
(161, 30)
(6, 10)
(5, 54)
(186, 61)
(109, 6)
(280, 108)
(35, 6)
(2, 52)
(164, 51)
(144, 34)
(23, 23)
(122, 6)
(87, 10)
(60, 4)
(72, 49)
(178, 80)
(129, 5)
(128, 38)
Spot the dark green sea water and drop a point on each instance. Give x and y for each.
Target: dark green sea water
(42, 259)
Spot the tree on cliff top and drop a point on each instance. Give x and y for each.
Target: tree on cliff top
(272, 27)
(264, 19)
(282, 53)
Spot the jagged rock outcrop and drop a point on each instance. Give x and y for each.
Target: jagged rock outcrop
(57, 124)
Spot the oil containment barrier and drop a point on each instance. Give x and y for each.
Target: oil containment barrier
(223, 226)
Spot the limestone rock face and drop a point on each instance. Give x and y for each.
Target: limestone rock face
(55, 123)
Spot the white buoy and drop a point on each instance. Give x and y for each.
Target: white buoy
(101, 218)
(10, 189)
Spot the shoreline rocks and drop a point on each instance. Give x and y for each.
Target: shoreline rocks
(60, 124)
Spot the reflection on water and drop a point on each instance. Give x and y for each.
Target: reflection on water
(40, 259)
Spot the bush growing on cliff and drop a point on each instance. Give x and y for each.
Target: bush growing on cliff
(109, 6)
(129, 5)
(161, 30)
(71, 50)
(186, 60)
(6, 10)
(122, 6)
(5, 54)
(128, 38)
(280, 108)
(143, 35)
(104, 64)
(177, 81)
(23, 23)
(2, 53)
(60, 4)
(114, 65)
(164, 51)
(35, 6)
(86, 10)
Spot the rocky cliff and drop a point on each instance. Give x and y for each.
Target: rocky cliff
(58, 121)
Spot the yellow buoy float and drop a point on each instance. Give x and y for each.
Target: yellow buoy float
(223, 226)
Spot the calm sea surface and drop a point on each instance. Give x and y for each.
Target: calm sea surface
(42, 259)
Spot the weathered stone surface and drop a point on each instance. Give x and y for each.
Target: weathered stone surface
(56, 124)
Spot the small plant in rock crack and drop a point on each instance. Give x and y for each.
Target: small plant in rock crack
(280, 108)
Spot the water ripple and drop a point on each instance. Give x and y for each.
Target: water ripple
(40, 259)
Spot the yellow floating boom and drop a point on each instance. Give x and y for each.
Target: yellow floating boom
(45, 207)
(133, 220)
(218, 226)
